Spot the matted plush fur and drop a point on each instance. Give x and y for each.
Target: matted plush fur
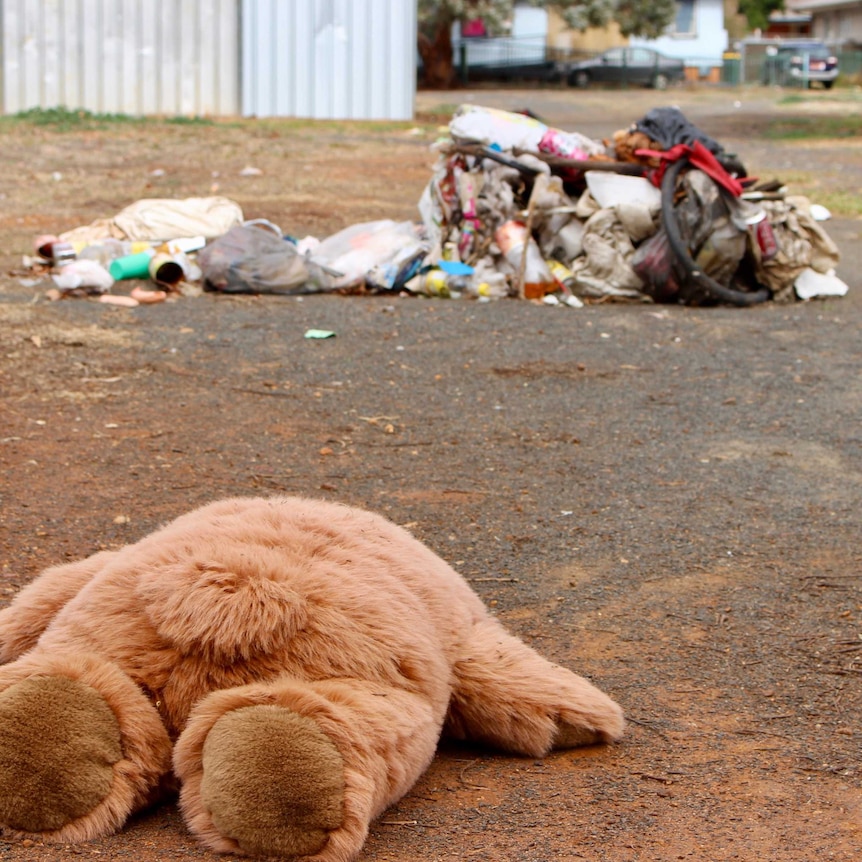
(330, 613)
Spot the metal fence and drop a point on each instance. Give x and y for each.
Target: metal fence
(752, 59)
(508, 58)
(329, 59)
(850, 63)
(338, 59)
(121, 56)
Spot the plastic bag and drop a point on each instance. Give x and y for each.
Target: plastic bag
(249, 259)
(87, 275)
(381, 254)
(493, 126)
(510, 131)
(654, 263)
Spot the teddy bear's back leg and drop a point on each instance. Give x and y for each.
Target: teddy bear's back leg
(22, 623)
(81, 747)
(508, 696)
(301, 769)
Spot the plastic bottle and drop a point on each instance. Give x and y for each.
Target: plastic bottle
(491, 288)
(105, 251)
(563, 276)
(132, 265)
(436, 282)
(183, 245)
(514, 243)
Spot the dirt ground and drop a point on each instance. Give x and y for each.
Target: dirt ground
(664, 499)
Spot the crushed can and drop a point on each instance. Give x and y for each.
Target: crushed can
(57, 252)
(764, 235)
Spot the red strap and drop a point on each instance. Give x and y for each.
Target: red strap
(699, 157)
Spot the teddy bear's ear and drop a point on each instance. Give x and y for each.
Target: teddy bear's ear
(224, 610)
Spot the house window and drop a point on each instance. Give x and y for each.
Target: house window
(684, 23)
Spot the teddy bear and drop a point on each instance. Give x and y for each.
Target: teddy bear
(287, 664)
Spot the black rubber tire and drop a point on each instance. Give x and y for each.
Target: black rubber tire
(708, 285)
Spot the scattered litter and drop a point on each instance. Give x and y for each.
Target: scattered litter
(251, 258)
(119, 299)
(148, 297)
(166, 269)
(319, 333)
(380, 255)
(83, 274)
(132, 265)
(810, 284)
(53, 250)
(658, 213)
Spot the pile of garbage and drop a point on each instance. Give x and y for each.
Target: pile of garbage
(514, 208)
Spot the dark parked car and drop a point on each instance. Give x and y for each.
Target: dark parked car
(545, 70)
(786, 64)
(503, 58)
(627, 66)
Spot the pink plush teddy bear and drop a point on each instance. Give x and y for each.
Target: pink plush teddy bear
(291, 663)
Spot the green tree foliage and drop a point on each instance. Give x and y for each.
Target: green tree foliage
(757, 11)
(647, 18)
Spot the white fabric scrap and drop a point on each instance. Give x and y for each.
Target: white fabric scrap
(810, 284)
(161, 219)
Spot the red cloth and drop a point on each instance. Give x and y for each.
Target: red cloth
(699, 157)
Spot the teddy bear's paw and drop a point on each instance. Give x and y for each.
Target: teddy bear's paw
(573, 736)
(59, 741)
(597, 719)
(273, 782)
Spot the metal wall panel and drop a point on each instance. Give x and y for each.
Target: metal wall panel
(121, 56)
(329, 59)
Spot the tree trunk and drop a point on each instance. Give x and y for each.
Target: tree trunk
(438, 68)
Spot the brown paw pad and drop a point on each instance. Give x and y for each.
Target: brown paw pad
(59, 741)
(272, 781)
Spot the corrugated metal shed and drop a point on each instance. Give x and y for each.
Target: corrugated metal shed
(121, 56)
(329, 59)
(346, 59)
